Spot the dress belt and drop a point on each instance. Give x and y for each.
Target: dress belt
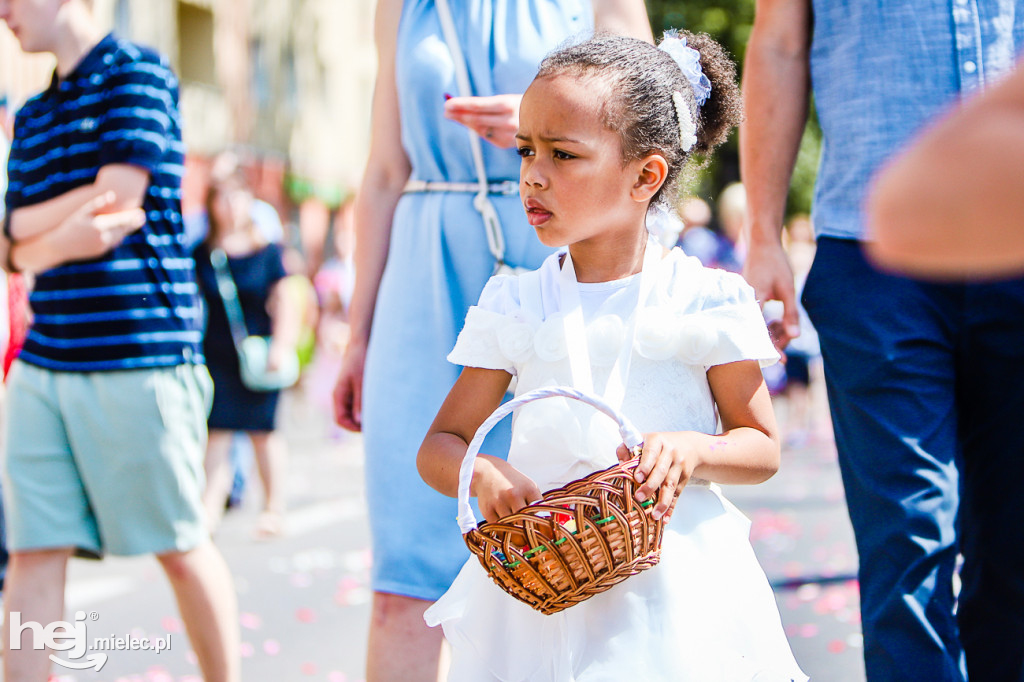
(505, 187)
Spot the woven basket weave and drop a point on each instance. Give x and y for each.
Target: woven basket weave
(578, 540)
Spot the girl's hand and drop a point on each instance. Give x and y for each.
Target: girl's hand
(500, 488)
(496, 118)
(348, 390)
(666, 464)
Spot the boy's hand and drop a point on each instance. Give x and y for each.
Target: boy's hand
(91, 231)
(500, 488)
(666, 464)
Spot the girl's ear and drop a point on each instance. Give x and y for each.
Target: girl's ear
(652, 171)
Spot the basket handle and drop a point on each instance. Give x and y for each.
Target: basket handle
(630, 436)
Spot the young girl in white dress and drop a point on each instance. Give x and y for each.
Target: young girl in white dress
(605, 129)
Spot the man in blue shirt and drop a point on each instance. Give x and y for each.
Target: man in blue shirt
(923, 379)
(107, 400)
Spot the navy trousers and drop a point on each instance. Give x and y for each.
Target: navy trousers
(926, 387)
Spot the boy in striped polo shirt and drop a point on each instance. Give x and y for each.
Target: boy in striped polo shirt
(107, 401)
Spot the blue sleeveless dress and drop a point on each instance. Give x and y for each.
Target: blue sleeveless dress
(437, 266)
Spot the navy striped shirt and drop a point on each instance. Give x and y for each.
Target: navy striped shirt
(138, 305)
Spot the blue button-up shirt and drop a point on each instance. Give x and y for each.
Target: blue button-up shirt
(881, 69)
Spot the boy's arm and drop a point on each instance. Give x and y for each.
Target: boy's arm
(89, 232)
(128, 183)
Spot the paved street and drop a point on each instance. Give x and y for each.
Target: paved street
(304, 597)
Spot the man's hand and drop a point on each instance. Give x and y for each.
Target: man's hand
(767, 269)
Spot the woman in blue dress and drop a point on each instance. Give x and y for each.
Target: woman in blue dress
(421, 260)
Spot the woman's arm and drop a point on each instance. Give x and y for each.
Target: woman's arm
(626, 17)
(286, 306)
(498, 486)
(747, 450)
(387, 170)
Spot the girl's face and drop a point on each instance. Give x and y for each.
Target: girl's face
(573, 182)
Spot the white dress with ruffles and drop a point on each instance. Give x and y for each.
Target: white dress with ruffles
(706, 612)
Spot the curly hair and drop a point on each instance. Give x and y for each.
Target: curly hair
(641, 80)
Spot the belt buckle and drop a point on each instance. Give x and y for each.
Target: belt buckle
(505, 187)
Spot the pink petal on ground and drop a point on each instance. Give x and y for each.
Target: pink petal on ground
(308, 668)
(348, 583)
(300, 580)
(250, 621)
(809, 630)
(190, 656)
(836, 646)
(305, 615)
(246, 650)
(170, 624)
(271, 647)
(336, 676)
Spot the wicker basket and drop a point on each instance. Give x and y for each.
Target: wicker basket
(578, 540)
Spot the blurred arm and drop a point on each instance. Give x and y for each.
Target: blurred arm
(89, 232)
(950, 206)
(128, 183)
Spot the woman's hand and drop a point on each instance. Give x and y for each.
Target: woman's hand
(496, 118)
(278, 355)
(500, 488)
(666, 464)
(348, 389)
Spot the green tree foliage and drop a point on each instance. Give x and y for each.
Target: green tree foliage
(729, 22)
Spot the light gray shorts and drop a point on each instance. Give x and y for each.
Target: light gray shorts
(106, 462)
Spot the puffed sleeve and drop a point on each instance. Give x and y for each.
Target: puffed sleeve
(490, 335)
(740, 330)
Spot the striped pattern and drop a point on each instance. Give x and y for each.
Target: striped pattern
(137, 306)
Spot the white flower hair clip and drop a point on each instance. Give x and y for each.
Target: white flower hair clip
(688, 60)
(687, 126)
